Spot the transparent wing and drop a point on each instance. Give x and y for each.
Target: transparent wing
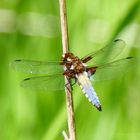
(37, 67)
(49, 83)
(113, 69)
(107, 53)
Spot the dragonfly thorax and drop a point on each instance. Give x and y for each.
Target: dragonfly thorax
(73, 65)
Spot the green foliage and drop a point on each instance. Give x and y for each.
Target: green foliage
(34, 115)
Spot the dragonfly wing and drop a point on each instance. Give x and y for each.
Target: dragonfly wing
(112, 70)
(107, 53)
(49, 83)
(37, 67)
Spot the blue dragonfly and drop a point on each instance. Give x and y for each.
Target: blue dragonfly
(96, 66)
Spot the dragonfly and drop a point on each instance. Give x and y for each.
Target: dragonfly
(96, 66)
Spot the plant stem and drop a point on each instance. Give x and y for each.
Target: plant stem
(65, 45)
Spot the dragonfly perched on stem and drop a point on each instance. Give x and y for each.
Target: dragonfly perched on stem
(92, 67)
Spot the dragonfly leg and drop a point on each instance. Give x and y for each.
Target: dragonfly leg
(70, 84)
(75, 81)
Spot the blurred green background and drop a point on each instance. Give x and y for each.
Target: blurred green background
(31, 30)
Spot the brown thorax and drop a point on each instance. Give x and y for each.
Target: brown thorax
(73, 65)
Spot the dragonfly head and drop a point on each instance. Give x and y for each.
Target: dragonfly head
(68, 55)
